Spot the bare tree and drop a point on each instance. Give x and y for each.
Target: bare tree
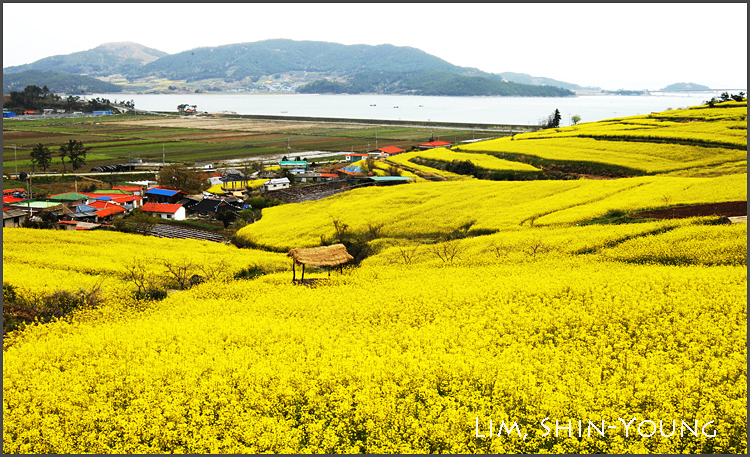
(213, 269)
(409, 253)
(136, 271)
(535, 246)
(501, 250)
(449, 250)
(374, 230)
(180, 270)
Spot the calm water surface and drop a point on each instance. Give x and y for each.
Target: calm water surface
(489, 110)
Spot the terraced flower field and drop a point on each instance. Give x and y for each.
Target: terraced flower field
(527, 304)
(691, 142)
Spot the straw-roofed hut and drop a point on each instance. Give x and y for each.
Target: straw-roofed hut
(322, 256)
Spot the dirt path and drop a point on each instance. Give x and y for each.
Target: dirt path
(728, 209)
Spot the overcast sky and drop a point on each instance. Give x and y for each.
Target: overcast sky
(613, 46)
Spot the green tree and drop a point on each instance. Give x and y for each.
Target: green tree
(138, 221)
(552, 121)
(178, 176)
(41, 156)
(75, 153)
(576, 119)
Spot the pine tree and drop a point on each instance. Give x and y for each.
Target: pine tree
(41, 156)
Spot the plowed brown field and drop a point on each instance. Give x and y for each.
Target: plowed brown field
(728, 209)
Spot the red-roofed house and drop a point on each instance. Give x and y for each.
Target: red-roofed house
(165, 210)
(102, 204)
(11, 199)
(135, 190)
(108, 212)
(435, 144)
(390, 150)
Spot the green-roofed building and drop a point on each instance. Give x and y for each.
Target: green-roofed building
(34, 205)
(294, 164)
(69, 197)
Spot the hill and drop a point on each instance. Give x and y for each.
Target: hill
(523, 78)
(685, 86)
(104, 60)
(478, 301)
(700, 141)
(429, 82)
(57, 82)
(263, 58)
(242, 65)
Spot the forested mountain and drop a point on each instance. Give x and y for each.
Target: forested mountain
(107, 59)
(429, 82)
(57, 82)
(238, 61)
(381, 69)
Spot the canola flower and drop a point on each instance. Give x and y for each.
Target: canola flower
(481, 160)
(239, 185)
(684, 141)
(534, 319)
(264, 366)
(433, 208)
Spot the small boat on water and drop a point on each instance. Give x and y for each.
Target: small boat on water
(284, 112)
(421, 106)
(395, 106)
(373, 105)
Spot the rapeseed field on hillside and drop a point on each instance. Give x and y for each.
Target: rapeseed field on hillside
(485, 317)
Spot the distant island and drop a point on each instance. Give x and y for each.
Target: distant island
(276, 66)
(685, 86)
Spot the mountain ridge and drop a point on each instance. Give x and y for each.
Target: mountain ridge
(302, 62)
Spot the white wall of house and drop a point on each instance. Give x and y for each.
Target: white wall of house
(178, 215)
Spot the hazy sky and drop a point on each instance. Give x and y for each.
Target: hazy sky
(613, 46)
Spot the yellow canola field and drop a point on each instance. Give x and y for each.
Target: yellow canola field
(681, 140)
(421, 365)
(381, 169)
(40, 262)
(434, 208)
(481, 160)
(238, 185)
(403, 160)
(638, 329)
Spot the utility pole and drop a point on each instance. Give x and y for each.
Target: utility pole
(16, 156)
(163, 156)
(288, 147)
(376, 140)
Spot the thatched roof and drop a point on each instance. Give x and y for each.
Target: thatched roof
(321, 256)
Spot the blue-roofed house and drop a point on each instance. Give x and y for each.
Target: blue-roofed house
(159, 195)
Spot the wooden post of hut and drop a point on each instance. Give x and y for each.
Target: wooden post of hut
(322, 256)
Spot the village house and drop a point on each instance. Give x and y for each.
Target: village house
(355, 156)
(389, 151)
(211, 207)
(294, 165)
(70, 199)
(108, 213)
(159, 195)
(165, 210)
(78, 225)
(14, 218)
(133, 190)
(275, 184)
(435, 144)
